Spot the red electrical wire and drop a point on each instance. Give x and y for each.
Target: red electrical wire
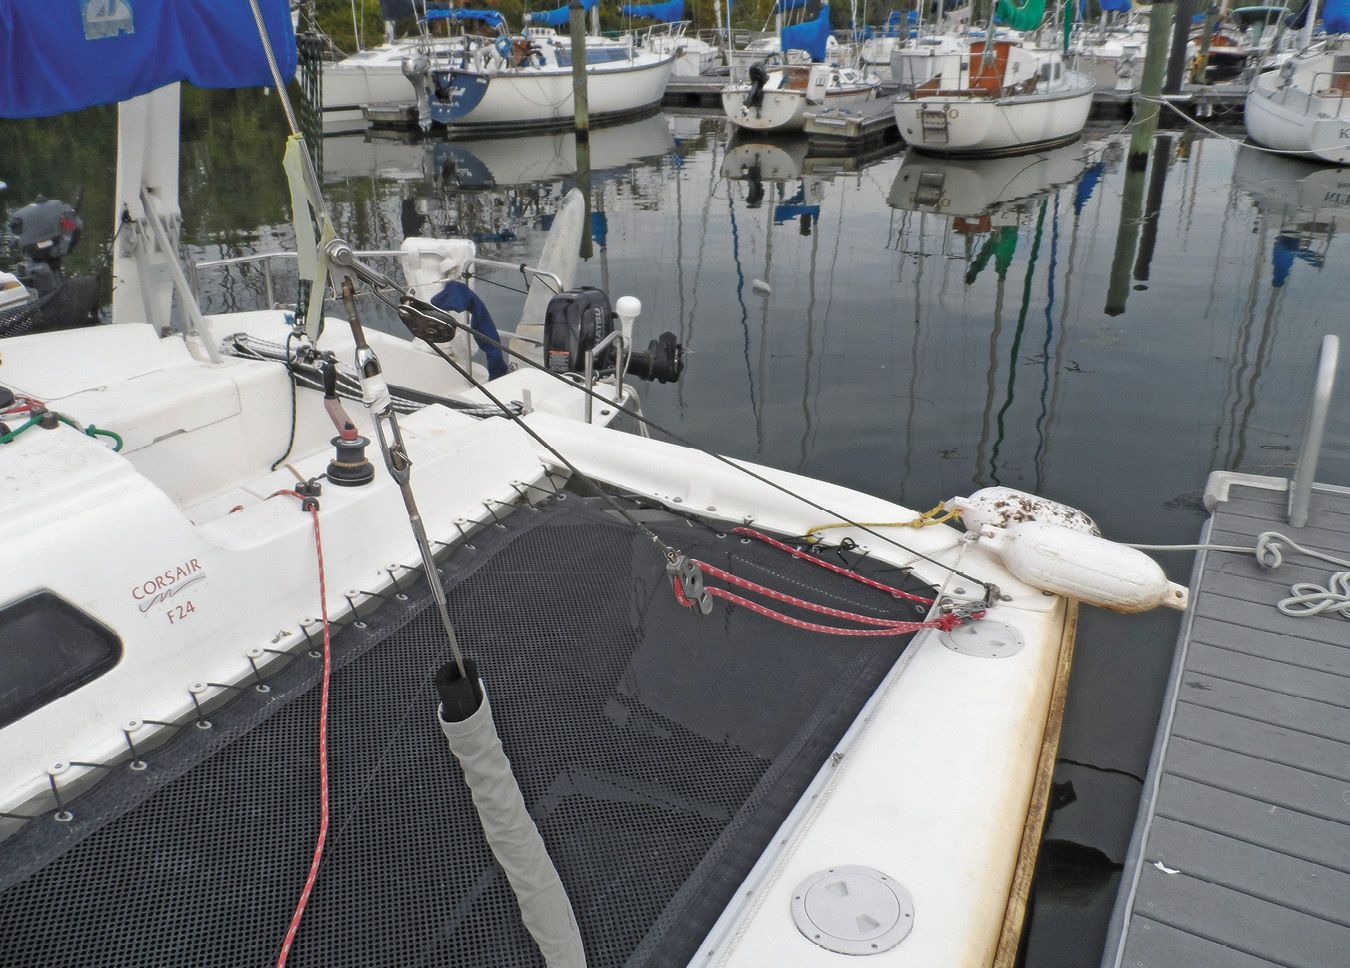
(312, 506)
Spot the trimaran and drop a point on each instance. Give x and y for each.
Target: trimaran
(748, 718)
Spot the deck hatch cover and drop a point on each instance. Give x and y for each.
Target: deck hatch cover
(657, 750)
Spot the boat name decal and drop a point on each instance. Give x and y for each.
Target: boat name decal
(107, 18)
(167, 584)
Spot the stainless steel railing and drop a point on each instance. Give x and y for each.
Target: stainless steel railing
(1305, 471)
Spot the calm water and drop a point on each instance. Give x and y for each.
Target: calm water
(1047, 322)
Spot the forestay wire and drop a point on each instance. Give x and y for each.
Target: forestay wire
(419, 308)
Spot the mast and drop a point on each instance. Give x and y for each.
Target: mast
(1305, 33)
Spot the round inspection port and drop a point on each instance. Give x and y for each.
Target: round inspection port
(853, 910)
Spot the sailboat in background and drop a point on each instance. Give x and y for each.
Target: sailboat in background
(1304, 107)
(998, 97)
(519, 81)
(380, 74)
(776, 96)
(693, 55)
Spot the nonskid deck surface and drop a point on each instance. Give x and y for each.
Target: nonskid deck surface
(1242, 855)
(657, 750)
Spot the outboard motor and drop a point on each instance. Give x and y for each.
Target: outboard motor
(44, 233)
(759, 76)
(579, 320)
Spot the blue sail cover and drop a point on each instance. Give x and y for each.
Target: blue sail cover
(492, 18)
(1336, 16)
(73, 54)
(811, 36)
(670, 12)
(558, 17)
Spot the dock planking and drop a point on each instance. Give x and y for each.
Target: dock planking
(1241, 853)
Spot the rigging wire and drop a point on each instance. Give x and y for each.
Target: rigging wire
(510, 413)
(411, 306)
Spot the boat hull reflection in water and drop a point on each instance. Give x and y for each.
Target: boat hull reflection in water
(986, 188)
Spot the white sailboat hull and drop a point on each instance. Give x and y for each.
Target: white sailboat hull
(785, 110)
(1313, 125)
(544, 97)
(970, 126)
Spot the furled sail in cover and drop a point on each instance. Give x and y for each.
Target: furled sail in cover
(558, 17)
(66, 56)
(492, 18)
(811, 36)
(1027, 16)
(672, 11)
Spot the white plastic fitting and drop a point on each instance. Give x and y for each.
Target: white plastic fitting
(628, 309)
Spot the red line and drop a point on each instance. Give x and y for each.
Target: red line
(323, 746)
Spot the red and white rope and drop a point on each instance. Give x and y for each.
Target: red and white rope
(323, 742)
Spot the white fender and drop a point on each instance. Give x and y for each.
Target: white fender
(1083, 567)
(999, 507)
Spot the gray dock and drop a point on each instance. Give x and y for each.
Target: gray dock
(1241, 852)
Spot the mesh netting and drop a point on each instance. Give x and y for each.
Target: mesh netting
(657, 750)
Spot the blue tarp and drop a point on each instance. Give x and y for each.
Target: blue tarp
(811, 36)
(1336, 16)
(492, 18)
(783, 5)
(670, 12)
(60, 57)
(558, 17)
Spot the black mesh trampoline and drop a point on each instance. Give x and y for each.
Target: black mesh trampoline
(658, 751)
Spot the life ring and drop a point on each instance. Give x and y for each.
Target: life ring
(953, 113)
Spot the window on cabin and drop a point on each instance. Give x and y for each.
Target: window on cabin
(49, 648)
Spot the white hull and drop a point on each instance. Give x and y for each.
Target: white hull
(544, 97)
(1313, 125)
(968, 126)
(786, 110)
(1113, 66)
(375, 75)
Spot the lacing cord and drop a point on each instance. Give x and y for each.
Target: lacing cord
(875, 626)
(312, 506)
(881, 626)
(1306, 598)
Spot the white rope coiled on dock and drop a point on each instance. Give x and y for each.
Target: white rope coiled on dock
(1306, 598)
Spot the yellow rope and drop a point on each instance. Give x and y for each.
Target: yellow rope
(940, 514)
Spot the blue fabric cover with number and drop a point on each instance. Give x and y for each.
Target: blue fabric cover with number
(73, 54)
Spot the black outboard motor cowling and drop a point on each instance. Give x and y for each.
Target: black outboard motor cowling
(577, 320)
(574, 322)
(759, 76)
(46, 230)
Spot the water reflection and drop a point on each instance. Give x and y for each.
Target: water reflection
(782, 178)
(986, 204)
